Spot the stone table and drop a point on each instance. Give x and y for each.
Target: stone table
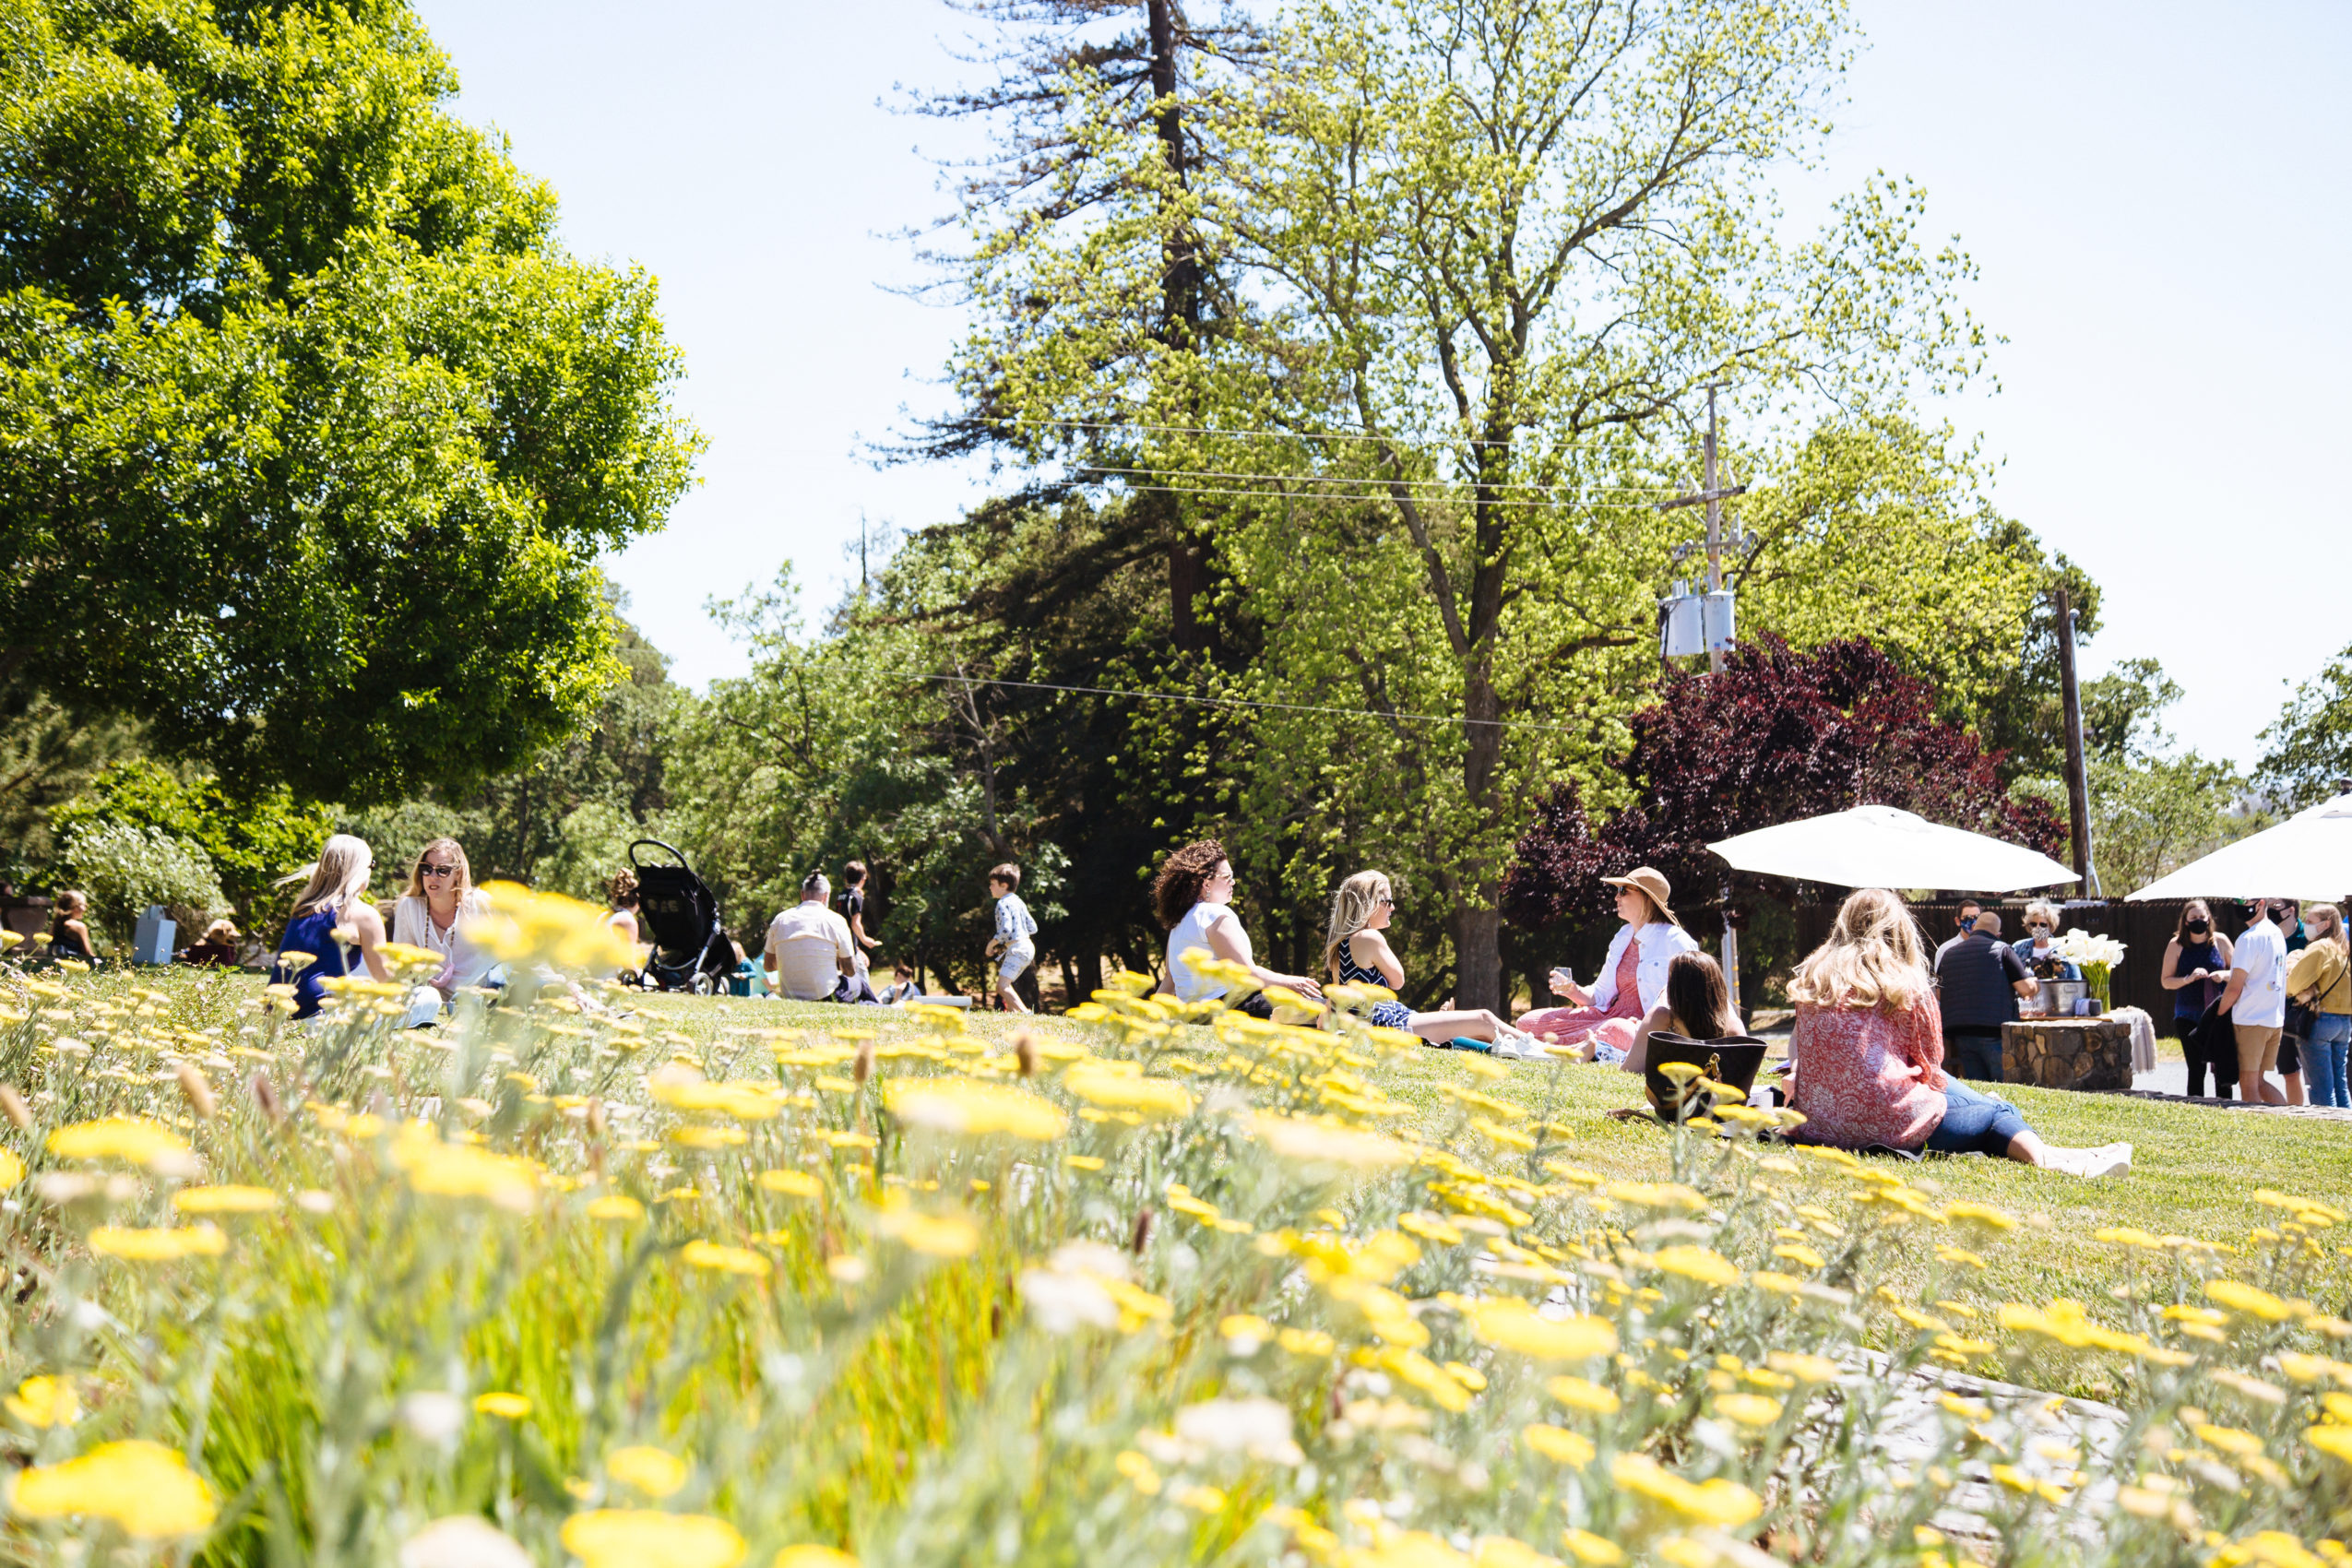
(2067, 1053)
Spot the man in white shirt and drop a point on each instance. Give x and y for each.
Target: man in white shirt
(2255, 1000)
(810, 956)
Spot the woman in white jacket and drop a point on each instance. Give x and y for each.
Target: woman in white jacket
(1600, 1023)
(432, 914)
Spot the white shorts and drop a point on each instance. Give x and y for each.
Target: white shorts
(1015, 959)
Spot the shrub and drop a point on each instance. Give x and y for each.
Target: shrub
(126, 866)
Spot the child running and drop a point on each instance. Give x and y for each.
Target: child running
(1014, 946)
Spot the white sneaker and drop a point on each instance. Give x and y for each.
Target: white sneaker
(1512, 1045)
(2115, 1159)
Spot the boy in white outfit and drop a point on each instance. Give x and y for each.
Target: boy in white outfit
(1014, 947)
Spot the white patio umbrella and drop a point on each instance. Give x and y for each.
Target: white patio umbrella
(1886, 847)
(2308, 855)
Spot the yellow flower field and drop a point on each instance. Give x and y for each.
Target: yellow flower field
(1149, 1285)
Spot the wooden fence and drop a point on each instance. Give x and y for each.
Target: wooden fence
(2144, 929)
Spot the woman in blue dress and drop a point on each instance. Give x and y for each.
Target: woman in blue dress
(1357, 953)
(334, 895)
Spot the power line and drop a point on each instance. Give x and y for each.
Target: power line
(1535, 502)
(1422, 484)
(1245, 702)
(1278, 435)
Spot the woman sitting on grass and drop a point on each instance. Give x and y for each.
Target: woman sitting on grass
(69, 928)
(1355, 952)
(1697, 1005)
(334, 895)
(1193, 895)
(1599, 1023)
(1867, 1053)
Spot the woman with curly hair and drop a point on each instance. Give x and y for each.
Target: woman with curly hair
(1193, 895)
(1356, 951)
(1867, 1053)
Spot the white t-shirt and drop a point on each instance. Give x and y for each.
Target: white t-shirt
(1193, 932)
(805, 944)
(2261, 953)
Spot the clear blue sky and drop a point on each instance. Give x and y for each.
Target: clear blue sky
(2156, 195)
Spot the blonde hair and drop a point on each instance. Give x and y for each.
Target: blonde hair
(2042, 907)
(1351, 911)
(337, 876)
(2335, 931)
(1874, 957)
(462, 883)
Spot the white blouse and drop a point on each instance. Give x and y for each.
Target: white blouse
(1193, 932)
(1660, 940)
(464, 964)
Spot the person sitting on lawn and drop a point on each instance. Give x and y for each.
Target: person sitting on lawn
(332, 896)
(432, 913)
(1697, 1005)
(809, 955)
(1867, 1053)
(1601, 1022)
(904, 987)
(1193, 895)
(1356, 951)
(69, 928)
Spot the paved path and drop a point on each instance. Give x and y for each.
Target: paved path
(2170, 1079)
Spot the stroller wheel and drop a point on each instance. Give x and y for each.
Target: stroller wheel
(704, 983)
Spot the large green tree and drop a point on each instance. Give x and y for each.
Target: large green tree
(309, 432)
(1486, 251)
(2311, 741)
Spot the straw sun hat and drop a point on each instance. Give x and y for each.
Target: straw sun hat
(1650, 881)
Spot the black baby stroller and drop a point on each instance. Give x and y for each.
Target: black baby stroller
(678, 914)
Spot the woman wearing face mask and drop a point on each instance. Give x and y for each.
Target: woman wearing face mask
(2196, 965)
(2035, 949)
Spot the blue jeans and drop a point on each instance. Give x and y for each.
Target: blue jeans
(2324, 1057)
(1974, 1123)
(1973, 1053)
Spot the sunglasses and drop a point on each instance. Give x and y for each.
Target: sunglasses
(1384, 901)
(2037, 925)
(436, 871)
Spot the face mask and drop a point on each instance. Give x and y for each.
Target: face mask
(2198, 927)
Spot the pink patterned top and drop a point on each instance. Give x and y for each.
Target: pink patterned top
(1865, 1077)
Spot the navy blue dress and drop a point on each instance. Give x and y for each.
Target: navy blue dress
(1385, 1015)
(315, 933)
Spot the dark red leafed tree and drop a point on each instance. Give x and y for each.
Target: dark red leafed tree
(1778, 735)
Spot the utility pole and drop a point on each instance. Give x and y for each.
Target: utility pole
(1714, 494)
(2078, 789)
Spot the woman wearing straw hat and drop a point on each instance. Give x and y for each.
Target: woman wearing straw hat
(1633, 978)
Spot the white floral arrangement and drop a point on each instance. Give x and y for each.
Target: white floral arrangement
(2081, 947)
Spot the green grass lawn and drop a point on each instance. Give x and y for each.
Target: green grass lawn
(2194, 1169)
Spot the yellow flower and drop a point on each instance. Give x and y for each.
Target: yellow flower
(1718, 1502)
(644, 1538)
(1749, 1409)
(2247, 1301)
(1570, 1448)
(130, 1138)
(510, 1407)
(708, 1137)
(522, 927)
(1593, 1550)
(617, 1205)
(224, 1200)
(1797, 1252)
(1698, 1262)
(1509, 1322)
(1430, 1228)
(1581, 1394)
(1103, 1083)
(1981, 1216)
(792, 1183)
(725, 1260)
(45, 1402)
(812, 1556)
(1327, 1142)
(1669, 1195)
(744, 1102)
(144, 1488)
(967, 1105)
(938, 1236)
(12, 1169)
(649, 1471)
(2336, 1442)
(161, 1245)
(461, 1170)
